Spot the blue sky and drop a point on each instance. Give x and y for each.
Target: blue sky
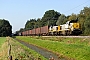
(17, 12)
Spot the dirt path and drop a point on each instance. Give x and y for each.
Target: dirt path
(45, 53)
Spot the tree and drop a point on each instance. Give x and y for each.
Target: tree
(87, 26)
(72, 17)
(50, 18)
(61, 19)
(30, 24)
(5, 28)
(21, 29)
(83, 18)
(38, 23)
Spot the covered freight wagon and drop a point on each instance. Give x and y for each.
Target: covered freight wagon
(33, 32)
(44, 30)
(30, 32)
(27, 33)
(23, 33)
(38, 31)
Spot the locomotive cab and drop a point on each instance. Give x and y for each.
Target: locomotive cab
(75, 27)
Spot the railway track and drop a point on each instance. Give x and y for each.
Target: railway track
(69, 36)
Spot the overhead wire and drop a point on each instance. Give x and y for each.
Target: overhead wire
(76, 7)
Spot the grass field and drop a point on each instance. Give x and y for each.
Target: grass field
(71, 48)
(18, 51)
(3, 48)
(2, 40)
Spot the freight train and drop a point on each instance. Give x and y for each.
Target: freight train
(70, 28)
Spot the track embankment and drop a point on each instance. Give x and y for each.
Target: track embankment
(47, 54)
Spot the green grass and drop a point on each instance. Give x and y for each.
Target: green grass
(76, 48)
(27, 51)
(3, 48)
(2, 40)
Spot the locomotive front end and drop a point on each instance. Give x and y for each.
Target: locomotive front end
(76, 29)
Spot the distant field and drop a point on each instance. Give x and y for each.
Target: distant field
(76, 48)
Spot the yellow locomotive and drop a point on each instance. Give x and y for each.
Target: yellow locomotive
(71, 27)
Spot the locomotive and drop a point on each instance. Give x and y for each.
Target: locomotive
(70, 28)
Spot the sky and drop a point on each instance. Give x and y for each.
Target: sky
(17, 12)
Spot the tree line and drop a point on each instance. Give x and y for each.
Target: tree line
(52, 18)
(5, 28)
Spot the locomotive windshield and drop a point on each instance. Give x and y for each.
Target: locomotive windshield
(73, 21)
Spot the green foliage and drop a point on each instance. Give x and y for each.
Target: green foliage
(2, 40)
(81, 21)
(87, 26)
(5, 28)
(73, 17)
(38, 23)
(30, 24)
(21, 29)
(84, 19)
(50, 18)
(61, 19)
